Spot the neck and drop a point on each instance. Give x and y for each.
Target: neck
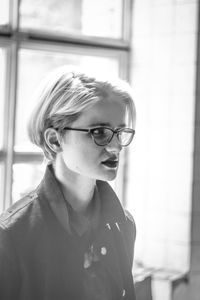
(77, 189)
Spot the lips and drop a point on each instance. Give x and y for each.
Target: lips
(111, 162)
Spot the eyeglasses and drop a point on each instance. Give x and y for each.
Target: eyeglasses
(102, 135)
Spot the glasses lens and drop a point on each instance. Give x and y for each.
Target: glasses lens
(102, 135)
(125, 136)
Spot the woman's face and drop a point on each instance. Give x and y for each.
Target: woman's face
(80, 155)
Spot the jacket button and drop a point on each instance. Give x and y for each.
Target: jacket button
(103, 250)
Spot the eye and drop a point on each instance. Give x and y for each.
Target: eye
(99, 132)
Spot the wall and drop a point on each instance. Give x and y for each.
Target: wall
(163, 76)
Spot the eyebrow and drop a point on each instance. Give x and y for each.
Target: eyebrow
(104, 124)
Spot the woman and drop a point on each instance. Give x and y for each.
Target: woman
(71, 238)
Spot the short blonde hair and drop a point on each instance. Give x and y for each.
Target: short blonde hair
(64, 95)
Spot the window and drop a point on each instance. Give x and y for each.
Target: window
(35, 37)
(4, 13)
(90, 18)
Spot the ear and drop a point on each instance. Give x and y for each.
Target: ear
(52, 139)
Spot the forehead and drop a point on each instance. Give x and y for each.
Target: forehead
(111, 111)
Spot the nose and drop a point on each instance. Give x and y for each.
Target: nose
(114, 145)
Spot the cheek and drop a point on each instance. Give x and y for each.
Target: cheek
(81, 154)
(79, 157)
(87, 160)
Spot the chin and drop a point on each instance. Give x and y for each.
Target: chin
(109, 176)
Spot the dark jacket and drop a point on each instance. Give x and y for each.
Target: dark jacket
(40, 259)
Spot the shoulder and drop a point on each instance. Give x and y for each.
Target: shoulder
(18, 211)
(130, 222)
(22, 224)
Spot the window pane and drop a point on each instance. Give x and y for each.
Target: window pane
(2, 94)
(87, 17)
(26, 178)
(33, 65)
(4, 13)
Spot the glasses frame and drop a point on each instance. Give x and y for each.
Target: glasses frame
(114, 131)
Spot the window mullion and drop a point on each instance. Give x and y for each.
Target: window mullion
(14, 14)
(11, 91)
(127, 20)
(10, 107)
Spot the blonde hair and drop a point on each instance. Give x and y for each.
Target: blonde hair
(63, 96)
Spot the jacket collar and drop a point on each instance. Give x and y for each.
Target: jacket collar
(111, 210)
